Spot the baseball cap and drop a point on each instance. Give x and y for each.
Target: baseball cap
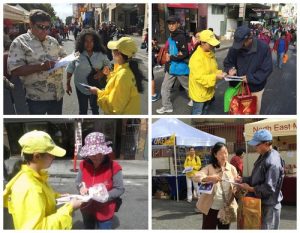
(173, 19)
(209, 37)
(240, 35)
(40, 142)
(259, 136)
(125, 45)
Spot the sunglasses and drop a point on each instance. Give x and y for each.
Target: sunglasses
(42, 27)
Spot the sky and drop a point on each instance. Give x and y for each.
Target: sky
(63, 10)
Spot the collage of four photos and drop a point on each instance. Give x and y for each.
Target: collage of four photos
(90, 143)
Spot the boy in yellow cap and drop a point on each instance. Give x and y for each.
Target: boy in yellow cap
(124, 85)
(204, 72)
(28, 196)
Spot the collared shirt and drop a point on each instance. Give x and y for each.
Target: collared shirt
(27, 49)
(120, 95)
(81, 68)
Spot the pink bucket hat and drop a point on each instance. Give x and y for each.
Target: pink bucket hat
(94, 143)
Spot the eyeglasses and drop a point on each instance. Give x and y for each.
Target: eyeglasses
(42, 27)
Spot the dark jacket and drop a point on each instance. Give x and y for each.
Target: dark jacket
(267, 177)
(255, 63)
(179, 37)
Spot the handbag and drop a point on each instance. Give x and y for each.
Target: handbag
(249, 213)
(143, 45)
(101, 83)
(161, 57)
(228, 213)
(229, 94)
(285, 58)
(243, 103)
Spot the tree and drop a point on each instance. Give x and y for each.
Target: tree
(69, 20)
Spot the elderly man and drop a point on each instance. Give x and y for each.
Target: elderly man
(266, 179)
(31, 56)
(250, 58)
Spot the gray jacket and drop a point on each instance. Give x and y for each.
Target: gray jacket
(267, 177)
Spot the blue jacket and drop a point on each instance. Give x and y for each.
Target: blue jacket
(177, 43)
(267, 177)
(255, 63)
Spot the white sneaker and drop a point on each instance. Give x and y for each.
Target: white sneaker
(163, 110)
(190, 103)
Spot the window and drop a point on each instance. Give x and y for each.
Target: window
(217, 10)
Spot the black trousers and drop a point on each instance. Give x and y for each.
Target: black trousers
(210, 221)
(83, 101)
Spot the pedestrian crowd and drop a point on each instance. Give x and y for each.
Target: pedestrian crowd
(192, 62)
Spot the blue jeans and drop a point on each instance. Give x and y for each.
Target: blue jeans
(50, 107)
(270, 217)
(90, 222)
(83, 101)
(279, 59)
(200, 108)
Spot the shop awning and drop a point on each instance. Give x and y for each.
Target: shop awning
(184, 5)
(14, 14)
(278, 127)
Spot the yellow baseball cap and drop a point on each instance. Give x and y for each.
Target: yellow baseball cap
(209, 37)
(125, 45)
(40, 142)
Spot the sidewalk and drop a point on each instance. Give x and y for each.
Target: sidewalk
(169, 214)
(132, 169)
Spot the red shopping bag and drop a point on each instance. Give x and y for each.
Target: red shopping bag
(243, 103)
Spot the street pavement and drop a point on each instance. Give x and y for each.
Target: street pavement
(279, 97)
(70, 103)
(169, 214)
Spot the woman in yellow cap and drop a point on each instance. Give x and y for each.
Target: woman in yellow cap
(28, 196)
(204, 72)
(121, 94)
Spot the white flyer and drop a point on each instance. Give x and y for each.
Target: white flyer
(64, 61)
(233, 78)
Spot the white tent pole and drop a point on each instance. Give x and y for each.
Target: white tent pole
(176, 180)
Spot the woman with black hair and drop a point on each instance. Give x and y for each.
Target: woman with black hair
(92, 56)
(121, 94)
(220, 172)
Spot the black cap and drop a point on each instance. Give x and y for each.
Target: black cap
(240, 35)
(173, 19)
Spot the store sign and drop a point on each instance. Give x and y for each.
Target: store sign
(277, 127)
(164, 141)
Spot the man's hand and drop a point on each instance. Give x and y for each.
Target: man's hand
(244, 79)
(232, 71)
(47, 65)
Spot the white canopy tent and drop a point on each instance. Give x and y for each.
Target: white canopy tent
(185, 135)
(277, 127)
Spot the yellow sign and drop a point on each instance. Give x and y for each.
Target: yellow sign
(165, 141)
